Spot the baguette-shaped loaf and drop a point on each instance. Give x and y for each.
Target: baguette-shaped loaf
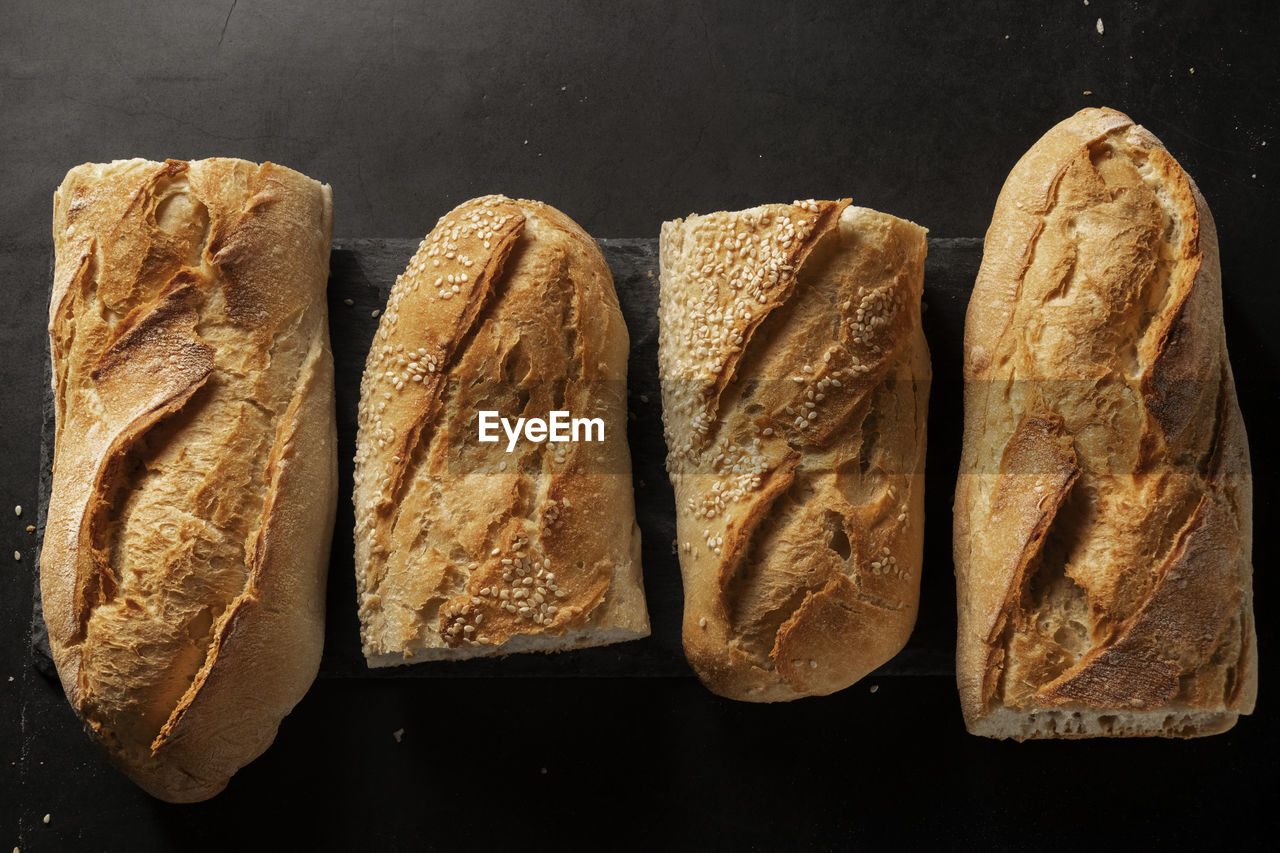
(795, 380)
(462, 548)
(1103, 510)
(195, 468)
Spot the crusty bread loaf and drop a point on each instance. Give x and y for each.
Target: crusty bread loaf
(195, 466)
(795, 380)
(1102, 517)
(462, 548)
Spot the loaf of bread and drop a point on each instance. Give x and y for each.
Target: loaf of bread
(195, 468)
(467, 548)
(1102, 517)
(795, 381)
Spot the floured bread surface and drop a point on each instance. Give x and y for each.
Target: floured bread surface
(1103, 512)
(462, 548)
(795, 382)
(184, 559)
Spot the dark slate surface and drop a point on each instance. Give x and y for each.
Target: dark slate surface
(363, 271)
(624, 115)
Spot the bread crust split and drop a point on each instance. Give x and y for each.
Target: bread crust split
(795, 380)
(1103, 511)
(463, 549)
(195, 469)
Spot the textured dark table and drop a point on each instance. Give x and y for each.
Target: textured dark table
(624, 116)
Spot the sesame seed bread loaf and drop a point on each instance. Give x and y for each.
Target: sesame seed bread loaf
(1103, 510)
(195, 469)
(462, 548)
(795, 380)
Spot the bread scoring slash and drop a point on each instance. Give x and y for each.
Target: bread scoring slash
(462, 548)
(195, 468)
(1103, 511)
(795, 381)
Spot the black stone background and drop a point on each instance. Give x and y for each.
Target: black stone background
(624, 115)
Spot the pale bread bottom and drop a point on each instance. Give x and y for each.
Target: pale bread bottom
(1079, 723)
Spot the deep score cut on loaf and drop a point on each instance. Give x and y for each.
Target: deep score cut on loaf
(795, 380)
(1103, 511)
(195, 469)
(463, 549)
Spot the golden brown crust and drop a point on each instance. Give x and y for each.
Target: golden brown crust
(195, 469)
(1038, 469)
(795, 382)
(463, 549)
(1126, 607)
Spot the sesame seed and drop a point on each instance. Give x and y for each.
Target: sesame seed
(374, 313)
(17, 555)
(17, 510)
